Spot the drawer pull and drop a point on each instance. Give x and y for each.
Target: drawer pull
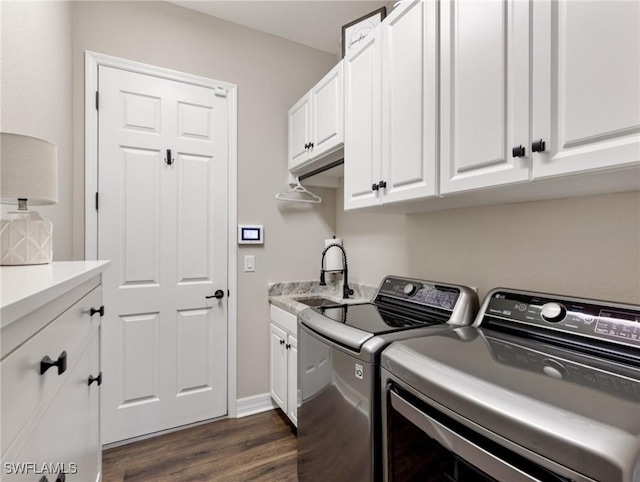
(95, 379)
(61, 363)
(97, 310)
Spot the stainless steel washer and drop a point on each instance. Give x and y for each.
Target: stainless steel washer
(542, 388)
(339, 433)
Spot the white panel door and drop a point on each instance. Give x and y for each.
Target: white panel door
(586, 85)
(362, 124)
(278, 365)
(300, 132)
(327, 113)
(484, 82)
(163, 223)
(409, 102)
(292, 379)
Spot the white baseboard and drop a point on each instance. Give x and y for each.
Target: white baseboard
(255, 404)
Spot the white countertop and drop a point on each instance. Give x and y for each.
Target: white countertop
(24, 289)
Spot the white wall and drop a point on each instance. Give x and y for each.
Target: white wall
(36, 94)
(271, 74)
(585, 246)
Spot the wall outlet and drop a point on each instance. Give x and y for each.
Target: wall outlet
(249, 263)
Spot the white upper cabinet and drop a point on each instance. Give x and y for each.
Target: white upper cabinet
(391, 110)
(299, 132)
(316, 121)
(362, 124)
(409, 102)
(484, 85)
(327, 113)
(586, 85)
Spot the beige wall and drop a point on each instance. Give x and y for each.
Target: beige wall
(36, 94)
(586, 246)
(271, 74)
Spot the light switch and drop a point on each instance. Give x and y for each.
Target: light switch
(249, 263)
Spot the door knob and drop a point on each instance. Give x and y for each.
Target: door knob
(218, 294)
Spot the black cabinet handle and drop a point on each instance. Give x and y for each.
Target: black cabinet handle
(61, 363)
(375, 187)
(538, 146)
(61, 477)
(311, 145)
(282, 342)
(306, 146)
(383, 184)
(100, 310)
(287, 346)
(218, 294)
(95, 379)
(518, 151)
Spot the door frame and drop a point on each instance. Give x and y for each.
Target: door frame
(92, 61)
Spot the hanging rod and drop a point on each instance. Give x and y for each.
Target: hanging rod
(331, 165)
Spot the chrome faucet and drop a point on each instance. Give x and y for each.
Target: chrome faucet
(346, 291)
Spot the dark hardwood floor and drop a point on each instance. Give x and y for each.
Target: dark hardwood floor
(261, 447)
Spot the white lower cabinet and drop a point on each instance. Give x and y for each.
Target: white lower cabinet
(283, 380)
(50, 377)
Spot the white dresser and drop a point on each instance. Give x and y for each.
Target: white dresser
(50, 371)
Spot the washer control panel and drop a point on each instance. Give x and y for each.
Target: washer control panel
(612, 322)
(420, 292)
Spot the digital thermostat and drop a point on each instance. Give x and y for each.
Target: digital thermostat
(250, 234)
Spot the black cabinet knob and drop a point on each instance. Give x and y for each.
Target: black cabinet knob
(538, 146)
(100, 310)
(375, 187)
(287, 346)
(518, 151)
(95, 379)
(306, 146)
(218, 294)
(383, 184)
(311, 145)
(282, 342)
(61, 363)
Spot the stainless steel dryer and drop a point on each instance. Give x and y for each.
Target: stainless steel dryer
(542, 388)
(339, 434)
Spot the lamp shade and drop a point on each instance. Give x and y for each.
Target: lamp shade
(28, 170)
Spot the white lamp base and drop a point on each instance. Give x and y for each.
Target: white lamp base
(25, 238)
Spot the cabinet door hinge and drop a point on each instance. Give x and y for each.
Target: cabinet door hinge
(96, 201)
(97, 100)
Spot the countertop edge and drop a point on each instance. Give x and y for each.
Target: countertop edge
(72, 274)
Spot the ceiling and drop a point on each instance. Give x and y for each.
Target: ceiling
(314, 23)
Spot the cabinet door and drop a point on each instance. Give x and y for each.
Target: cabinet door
(66, 435)
(362, 124)
(292, 391)
(299, 132)
(327, 113)
(278, 376)
(484, 93)
(586, 97)
(409, 102)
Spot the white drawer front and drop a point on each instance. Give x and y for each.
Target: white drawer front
(286, 320)
(22, 385)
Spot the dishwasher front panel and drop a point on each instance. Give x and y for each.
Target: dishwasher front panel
(337, 390)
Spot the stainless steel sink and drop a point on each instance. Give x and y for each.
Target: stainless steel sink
(316, 301)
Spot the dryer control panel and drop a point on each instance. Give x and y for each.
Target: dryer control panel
(612, 322)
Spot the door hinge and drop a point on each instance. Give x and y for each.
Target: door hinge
(96, 201)
(97, 100)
